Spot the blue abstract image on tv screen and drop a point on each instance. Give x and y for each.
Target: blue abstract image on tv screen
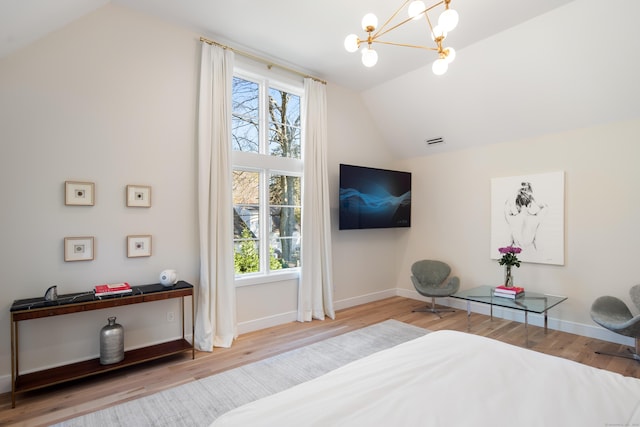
(374, 198)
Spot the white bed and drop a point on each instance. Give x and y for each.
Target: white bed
(449, 378)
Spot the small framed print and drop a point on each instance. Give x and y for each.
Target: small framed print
(79, 193)
(138, 246)
(139, 196)
(78, 248)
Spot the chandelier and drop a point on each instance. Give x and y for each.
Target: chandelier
(416, 10)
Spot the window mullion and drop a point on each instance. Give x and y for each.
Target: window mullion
(264, 205)
(265, 219)
(264, 117)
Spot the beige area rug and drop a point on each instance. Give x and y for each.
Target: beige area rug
(200, 402)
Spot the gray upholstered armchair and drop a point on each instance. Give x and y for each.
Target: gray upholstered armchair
(430, 280)
(613, 314)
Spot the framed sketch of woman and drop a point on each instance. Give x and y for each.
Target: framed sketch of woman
(528, 212)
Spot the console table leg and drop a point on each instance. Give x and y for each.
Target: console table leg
(193, 327)
(14, 360)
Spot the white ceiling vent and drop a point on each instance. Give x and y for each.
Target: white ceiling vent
(434, 141)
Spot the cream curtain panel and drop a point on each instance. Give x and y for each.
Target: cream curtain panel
(216, 323)
(315, 293)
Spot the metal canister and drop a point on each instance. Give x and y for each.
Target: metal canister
(111, 342)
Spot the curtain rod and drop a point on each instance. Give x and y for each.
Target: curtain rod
(269, 64)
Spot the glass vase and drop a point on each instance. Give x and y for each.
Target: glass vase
(508, 277)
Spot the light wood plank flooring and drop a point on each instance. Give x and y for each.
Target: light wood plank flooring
(57, 403)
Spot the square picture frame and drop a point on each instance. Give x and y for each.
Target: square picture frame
(139, 196)
(79, 248)
(78, 193)
(139, 246)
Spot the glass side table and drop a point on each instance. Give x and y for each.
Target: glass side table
(530, 302)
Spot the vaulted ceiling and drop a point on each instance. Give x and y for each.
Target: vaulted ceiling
(523, 68)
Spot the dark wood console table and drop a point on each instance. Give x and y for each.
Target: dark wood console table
(36, 308)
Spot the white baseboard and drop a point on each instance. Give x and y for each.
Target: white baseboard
(363, 299)
(282, 318)
(5, 384)
(267, 322)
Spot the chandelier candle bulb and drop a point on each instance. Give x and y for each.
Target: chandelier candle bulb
(450, 54)
(416, 9)
(351, 43)
(447, 21)
(440, 66)
(369, 22)
(369, 57)
(438, 34)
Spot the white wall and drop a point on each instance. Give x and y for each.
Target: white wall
(111, 98)
(107, 99)
(451, 211)
(355, 139)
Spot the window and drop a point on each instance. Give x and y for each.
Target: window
(267, 175)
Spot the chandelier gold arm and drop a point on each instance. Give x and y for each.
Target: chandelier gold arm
(381, 33)
(435, 49)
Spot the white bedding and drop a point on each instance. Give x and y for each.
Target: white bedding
(449, 378)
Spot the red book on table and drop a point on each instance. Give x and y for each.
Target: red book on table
(510, 289)
(113, 289)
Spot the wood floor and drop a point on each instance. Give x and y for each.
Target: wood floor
(57, 403)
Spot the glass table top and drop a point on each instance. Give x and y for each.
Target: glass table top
(531, 301)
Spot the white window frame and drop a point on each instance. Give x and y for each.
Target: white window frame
(266, 164)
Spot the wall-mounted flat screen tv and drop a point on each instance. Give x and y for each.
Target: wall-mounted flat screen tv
(374, 198)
